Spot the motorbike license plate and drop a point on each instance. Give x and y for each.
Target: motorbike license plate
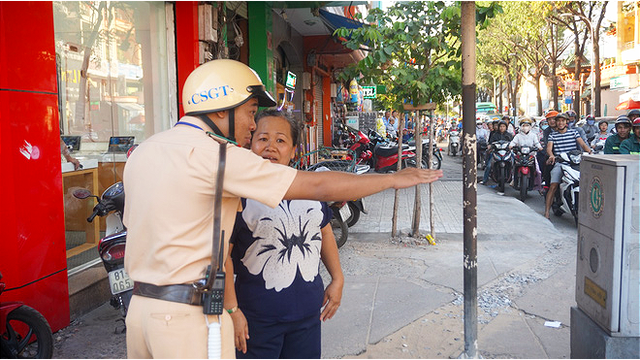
(345, 212)
(119, 281)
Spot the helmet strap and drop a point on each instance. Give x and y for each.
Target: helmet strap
(217, 130)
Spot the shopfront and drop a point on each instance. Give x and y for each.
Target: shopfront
(113, 62)
(100, 76)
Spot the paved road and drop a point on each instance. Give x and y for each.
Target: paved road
(452, 168)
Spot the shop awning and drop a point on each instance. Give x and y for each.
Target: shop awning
(334, 21)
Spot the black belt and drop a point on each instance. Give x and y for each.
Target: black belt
(180, 293)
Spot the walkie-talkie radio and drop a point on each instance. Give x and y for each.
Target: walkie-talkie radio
(213, 299)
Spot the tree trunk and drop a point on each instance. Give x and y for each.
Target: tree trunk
(417, 203)
(576, 71)
(538, 94)
(554, 67)
(597, 88)
(396, 199)
(500, 98)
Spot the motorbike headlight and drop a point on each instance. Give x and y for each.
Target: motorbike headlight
(576, 159)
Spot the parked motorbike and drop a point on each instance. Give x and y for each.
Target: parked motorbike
(524, 170)
(454, 142)
(436, 159)
(111, 247)
(24, 332)
(385, 154)
(501, 163)
(565, 200)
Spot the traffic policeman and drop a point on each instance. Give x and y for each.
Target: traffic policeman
(170, 182)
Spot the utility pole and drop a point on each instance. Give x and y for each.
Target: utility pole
(469, 179)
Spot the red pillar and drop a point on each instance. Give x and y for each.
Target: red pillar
(32, 242)
(326, 111)
(187, 45)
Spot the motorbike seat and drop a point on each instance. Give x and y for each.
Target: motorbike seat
(386, 150)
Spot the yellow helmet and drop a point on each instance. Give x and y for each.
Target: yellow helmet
(525, 120)
(220, 85)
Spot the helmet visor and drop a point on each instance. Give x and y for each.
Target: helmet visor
(264, 98)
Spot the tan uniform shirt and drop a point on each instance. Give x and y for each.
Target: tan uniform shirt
(169, 183)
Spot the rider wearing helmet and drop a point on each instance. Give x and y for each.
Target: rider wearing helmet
(500, 134)
(481, 132)
(525, 137)
(571, 124)
(602, 135)
(170, 184)
(633, 114)
(590, 128)
(623, 128)
(562, 141)
(632, 144)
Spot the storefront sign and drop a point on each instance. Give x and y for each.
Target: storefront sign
(572, 85)
(369, 92)
(291, 80)
(624, 82)
(353, 122)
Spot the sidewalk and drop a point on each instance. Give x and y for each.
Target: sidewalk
(404, 299)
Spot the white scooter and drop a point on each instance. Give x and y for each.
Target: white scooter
(566, 197)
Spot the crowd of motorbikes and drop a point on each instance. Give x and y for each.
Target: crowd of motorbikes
(517, 166)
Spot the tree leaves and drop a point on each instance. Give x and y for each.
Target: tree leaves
(415, 50)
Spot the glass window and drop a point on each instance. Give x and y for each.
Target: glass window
(113, 69)
(116, 81)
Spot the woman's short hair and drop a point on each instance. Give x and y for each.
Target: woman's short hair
(293, 124)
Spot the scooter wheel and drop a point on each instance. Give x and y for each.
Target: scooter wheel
(27, 335)
(355, 214)
(340, 228)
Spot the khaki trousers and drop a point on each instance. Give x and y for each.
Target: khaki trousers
(169, 330)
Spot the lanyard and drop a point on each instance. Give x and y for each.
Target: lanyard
(212, 135)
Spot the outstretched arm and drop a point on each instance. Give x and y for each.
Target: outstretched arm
(336, 185)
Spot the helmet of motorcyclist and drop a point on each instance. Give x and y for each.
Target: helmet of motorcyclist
(551, 114)
(623, 119)
(525, 124)
(478, 122)
(220, 85)
(636, 122)
(590, 119)
(525, 120)
(602, 122)
(571, 114)
(634, 112)
(562, 116)
(544, 124)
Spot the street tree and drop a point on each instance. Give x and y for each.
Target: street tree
(414, 49)
(496, 47)
(576, 16)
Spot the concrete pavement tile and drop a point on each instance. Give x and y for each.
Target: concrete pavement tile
(560, 287)
(347, 331)
(504, 253)
(555, 341)
(508, 336)
(399, 302)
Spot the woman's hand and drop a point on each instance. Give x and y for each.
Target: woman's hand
(331, 301)
(241, 330)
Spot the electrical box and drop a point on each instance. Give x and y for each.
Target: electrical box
(306, 81)
(608, 249)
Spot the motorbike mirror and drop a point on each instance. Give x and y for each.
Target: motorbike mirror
(82, 193)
